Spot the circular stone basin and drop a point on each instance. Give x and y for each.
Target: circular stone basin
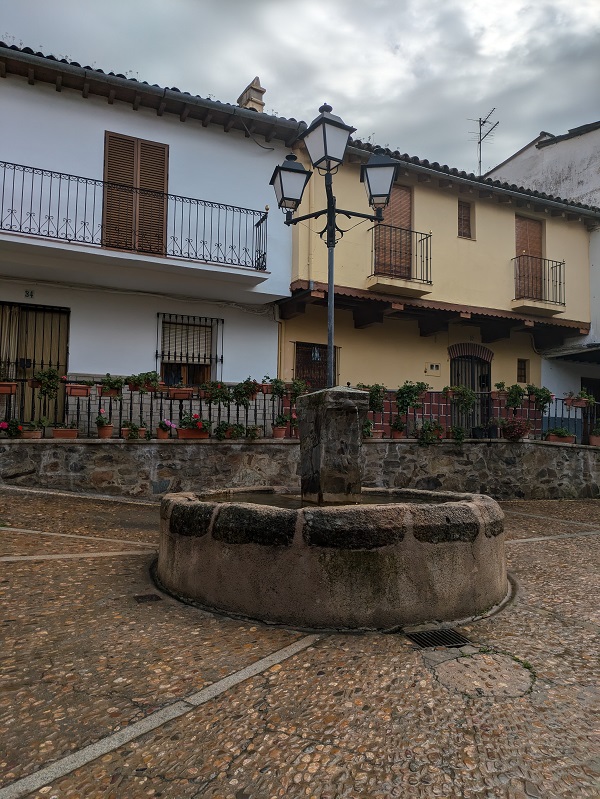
(419, 556)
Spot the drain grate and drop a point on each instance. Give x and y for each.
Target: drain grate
(147, 598)
(445, 637)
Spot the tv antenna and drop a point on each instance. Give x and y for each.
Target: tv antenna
(481, 136)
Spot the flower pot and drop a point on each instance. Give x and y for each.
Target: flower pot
(266, 388)
(575, 402)
(279, 432)
(181, 393)
(31, 433)
(8, 388)
(108, 392)
(34, 383)
(105, 431)
(183, 432)
(377, 434)
(125, 433)
(497, 395)
(594, 441)
(162, 434)
(560, 439)
(398, 434)
(77, 390)
(64, 432)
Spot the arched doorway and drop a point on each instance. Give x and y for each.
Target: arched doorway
(471, 366)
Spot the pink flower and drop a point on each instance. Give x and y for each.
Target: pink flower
(3, 425)
(101, 410)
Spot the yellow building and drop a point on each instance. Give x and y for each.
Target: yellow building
(463, 283)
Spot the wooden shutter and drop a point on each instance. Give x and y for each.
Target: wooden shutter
(393, 239)
(135, 203)
(529, 271)
(119, 197)
(152, 201)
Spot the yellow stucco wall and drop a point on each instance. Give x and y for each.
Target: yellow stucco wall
(477, 272)
(393, 352)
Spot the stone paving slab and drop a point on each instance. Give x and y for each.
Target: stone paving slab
(12, 543)
(523, 527)
(514, 716)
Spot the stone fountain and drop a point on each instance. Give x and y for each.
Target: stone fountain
(343, 557)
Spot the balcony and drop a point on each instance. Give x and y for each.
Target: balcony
(539, 285)
(77, 210)
(401, 262)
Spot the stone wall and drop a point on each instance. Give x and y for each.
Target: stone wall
(528, 470)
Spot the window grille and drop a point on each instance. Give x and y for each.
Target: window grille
(522, 370)
(311, 363)
(190, 348)
(464, 219)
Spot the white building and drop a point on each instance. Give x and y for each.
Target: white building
(566, 166)
(133, 231)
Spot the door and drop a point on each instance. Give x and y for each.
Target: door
(529, 273)
(33, 338)
(474, 373)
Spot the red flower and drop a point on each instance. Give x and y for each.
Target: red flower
(20, 427)
(196, 416)
(199, 425)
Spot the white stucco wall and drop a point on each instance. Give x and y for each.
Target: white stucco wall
(62, 131)
(569, 169)
(116, 332)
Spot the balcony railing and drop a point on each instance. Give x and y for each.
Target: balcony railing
(70, 208)
(539, 279)
(401, 253)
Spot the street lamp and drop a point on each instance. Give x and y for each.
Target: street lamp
(326, 140)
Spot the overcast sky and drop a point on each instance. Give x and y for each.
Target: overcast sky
(409, 74)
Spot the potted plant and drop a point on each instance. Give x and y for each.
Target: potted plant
(67, 430)
(6, 386)
(144, 382)
(276, 387)
(252, 432)
(541, 397)
(298, 387)
(180, 392)
(111, 386)
(430, 432)
(560, 435)
(280, 426)
(500, 392)
(462, 397)
(367, 429)
(595, 435)
(398, 428)
(11, 428)
(104, 425)
(164, 428)
(81, 389)
(192, 426)
(130, 430)
(245, 392)
(515, 429)
(377, 393)
(35, 429)
(514, 396)
(579, 400)
(216, 391)
(457, 433)
(47, 382)
(410, 395)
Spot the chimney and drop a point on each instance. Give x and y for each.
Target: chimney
(251, 97)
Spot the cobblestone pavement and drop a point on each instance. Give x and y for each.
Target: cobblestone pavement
(512, 715)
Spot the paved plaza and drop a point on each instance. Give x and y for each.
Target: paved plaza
(110, 689)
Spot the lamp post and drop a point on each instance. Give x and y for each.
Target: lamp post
(326, 140)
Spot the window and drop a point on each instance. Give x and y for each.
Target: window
(190, 348)
(311, 363)
(135, 203)
(393, 238)
(464, 220)
(522, 370)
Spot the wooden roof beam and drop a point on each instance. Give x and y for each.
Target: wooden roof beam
(185, 112)
(30, 76)
(111, 97)
(368, 314)
(229, 124)
(495, 330)
(86, 89)
(424, 178)
(58, 83)
(161, 108)
(445, 183)
(206, 120)
(2, 69)
(137, 101)
(430, 325)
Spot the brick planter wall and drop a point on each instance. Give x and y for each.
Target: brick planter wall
(528, 470)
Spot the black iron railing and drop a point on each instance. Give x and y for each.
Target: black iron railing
(401, 253)
(70, 208)
(539, 279)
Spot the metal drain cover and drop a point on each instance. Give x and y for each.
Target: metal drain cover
(444, 637)
(147, 598)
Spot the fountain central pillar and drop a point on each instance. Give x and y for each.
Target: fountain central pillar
(330, 426)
